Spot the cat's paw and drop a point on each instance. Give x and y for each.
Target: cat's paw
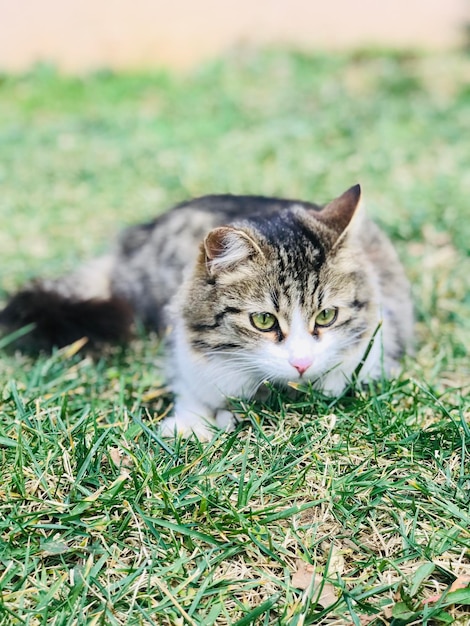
(225, 420)
(177, 426)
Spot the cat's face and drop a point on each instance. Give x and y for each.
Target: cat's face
(282, 300)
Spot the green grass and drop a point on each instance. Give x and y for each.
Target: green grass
(103, 523)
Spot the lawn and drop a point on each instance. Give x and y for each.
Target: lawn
(315, 511)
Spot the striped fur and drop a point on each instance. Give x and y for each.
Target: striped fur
(207, 267)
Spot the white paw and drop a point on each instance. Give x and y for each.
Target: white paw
(176, 426)
(225, 420)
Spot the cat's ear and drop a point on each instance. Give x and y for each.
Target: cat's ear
(339, 213)
(225, 247)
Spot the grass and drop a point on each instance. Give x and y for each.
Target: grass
(103, 523)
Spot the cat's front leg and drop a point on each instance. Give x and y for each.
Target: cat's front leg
(225, 420)
(187, 420)
(201, 387)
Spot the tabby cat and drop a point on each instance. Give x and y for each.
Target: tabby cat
(246, 289)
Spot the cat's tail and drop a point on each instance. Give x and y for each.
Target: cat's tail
(56, 313)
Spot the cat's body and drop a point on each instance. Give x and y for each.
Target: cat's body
(247, 289)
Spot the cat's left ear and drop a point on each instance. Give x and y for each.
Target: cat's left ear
(225, 247)
(340, 214)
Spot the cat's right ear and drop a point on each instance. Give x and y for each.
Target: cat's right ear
(339, 214)
(225, 247)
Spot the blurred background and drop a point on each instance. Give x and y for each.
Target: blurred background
(79, 35)
(112, 111)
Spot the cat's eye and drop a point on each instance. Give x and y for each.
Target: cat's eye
(326, 317)
(263, 321)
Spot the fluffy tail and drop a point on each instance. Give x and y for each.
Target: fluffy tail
(57, 313)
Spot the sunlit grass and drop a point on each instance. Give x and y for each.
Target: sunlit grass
(103, 523)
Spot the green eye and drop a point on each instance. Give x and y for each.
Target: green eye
(263, 321)
(326, 317)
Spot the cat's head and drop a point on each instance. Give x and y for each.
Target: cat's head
(285, 296)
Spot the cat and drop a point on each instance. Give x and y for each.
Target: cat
(246, 289)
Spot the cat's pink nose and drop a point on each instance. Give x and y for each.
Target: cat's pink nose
(301, 364)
